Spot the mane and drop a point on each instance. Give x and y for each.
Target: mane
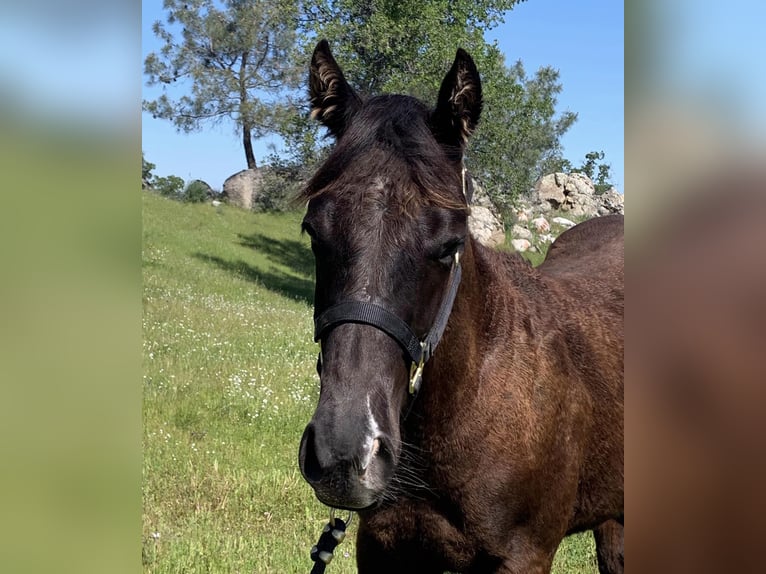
(390, 138)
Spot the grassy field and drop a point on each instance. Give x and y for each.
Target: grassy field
(228, 385)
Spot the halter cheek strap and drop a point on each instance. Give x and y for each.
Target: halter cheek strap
(419, 351)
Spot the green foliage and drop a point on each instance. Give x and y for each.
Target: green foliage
(146, 169)
(229, 383)
(196, 192)
(589, 165)
(235, 57)
(279, 185)
(407, 47)
(601, 181)
(169, 186)
(518, 139)
(403, 46)
(244, 61)
(303, 146)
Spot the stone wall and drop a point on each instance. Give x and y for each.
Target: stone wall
(557, 199)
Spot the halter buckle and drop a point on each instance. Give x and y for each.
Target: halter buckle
(416, 371)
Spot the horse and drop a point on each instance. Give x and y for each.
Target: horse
(480, 455)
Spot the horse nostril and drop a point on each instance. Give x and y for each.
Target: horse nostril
(310, 465)
(371, 455)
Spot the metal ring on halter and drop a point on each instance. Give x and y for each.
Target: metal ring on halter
(348, 519)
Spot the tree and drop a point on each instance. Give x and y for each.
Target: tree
(406, 47)
(518, 139)
(169, 186)
(601, 181)
(237, 60)
(398, 46)
(146, 172)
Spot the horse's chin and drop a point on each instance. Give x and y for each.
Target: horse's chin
(358, 492)
(356, 500)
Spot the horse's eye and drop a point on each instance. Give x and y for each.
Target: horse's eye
(448, 250)
(306, 227)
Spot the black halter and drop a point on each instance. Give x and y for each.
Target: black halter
(419, 351)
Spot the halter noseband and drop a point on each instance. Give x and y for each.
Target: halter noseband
(419, 351)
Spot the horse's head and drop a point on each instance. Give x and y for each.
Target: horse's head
(387, 216)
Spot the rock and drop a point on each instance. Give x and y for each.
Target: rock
(544, 207)
(582, 205)
(519, 232)
(241, 188)
(546, 238)
(476, 195)
(541, 224)
(550, 188)
(563, 221)
(578, 183)
(484, 223)
(215, 203)
(574, 193)
(612, 201)
(521, 245)
(577, 210)
(485, 227)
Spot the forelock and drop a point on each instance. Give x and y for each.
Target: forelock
(390, 140)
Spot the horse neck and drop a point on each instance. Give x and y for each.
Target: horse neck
(451, 374)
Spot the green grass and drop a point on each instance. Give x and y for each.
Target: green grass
(228, 385)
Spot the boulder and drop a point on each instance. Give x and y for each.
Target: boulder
(485, 226)
(546, 238)
(243, 187)
(550, 188)
(520, 232)
(521, 245)
(484, 222)
(574, 193)
(578, 183)
(563, 222)
(541, 224)
(612, 201)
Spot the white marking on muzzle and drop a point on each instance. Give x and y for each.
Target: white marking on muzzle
(372, 442)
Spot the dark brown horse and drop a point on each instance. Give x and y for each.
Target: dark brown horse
(515, 438)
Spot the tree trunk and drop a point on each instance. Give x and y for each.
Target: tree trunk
(247, 140)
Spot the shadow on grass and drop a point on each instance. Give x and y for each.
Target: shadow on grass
(290, 253)
(273, 279)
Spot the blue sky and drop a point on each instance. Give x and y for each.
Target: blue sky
(583, 40)
(711, 53)
(70, 62)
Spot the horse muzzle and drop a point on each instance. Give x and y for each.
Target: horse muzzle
(350, 473)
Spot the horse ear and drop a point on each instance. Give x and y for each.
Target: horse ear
(459, 105)
(333, 101)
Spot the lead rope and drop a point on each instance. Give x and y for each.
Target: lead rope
(333, 533)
